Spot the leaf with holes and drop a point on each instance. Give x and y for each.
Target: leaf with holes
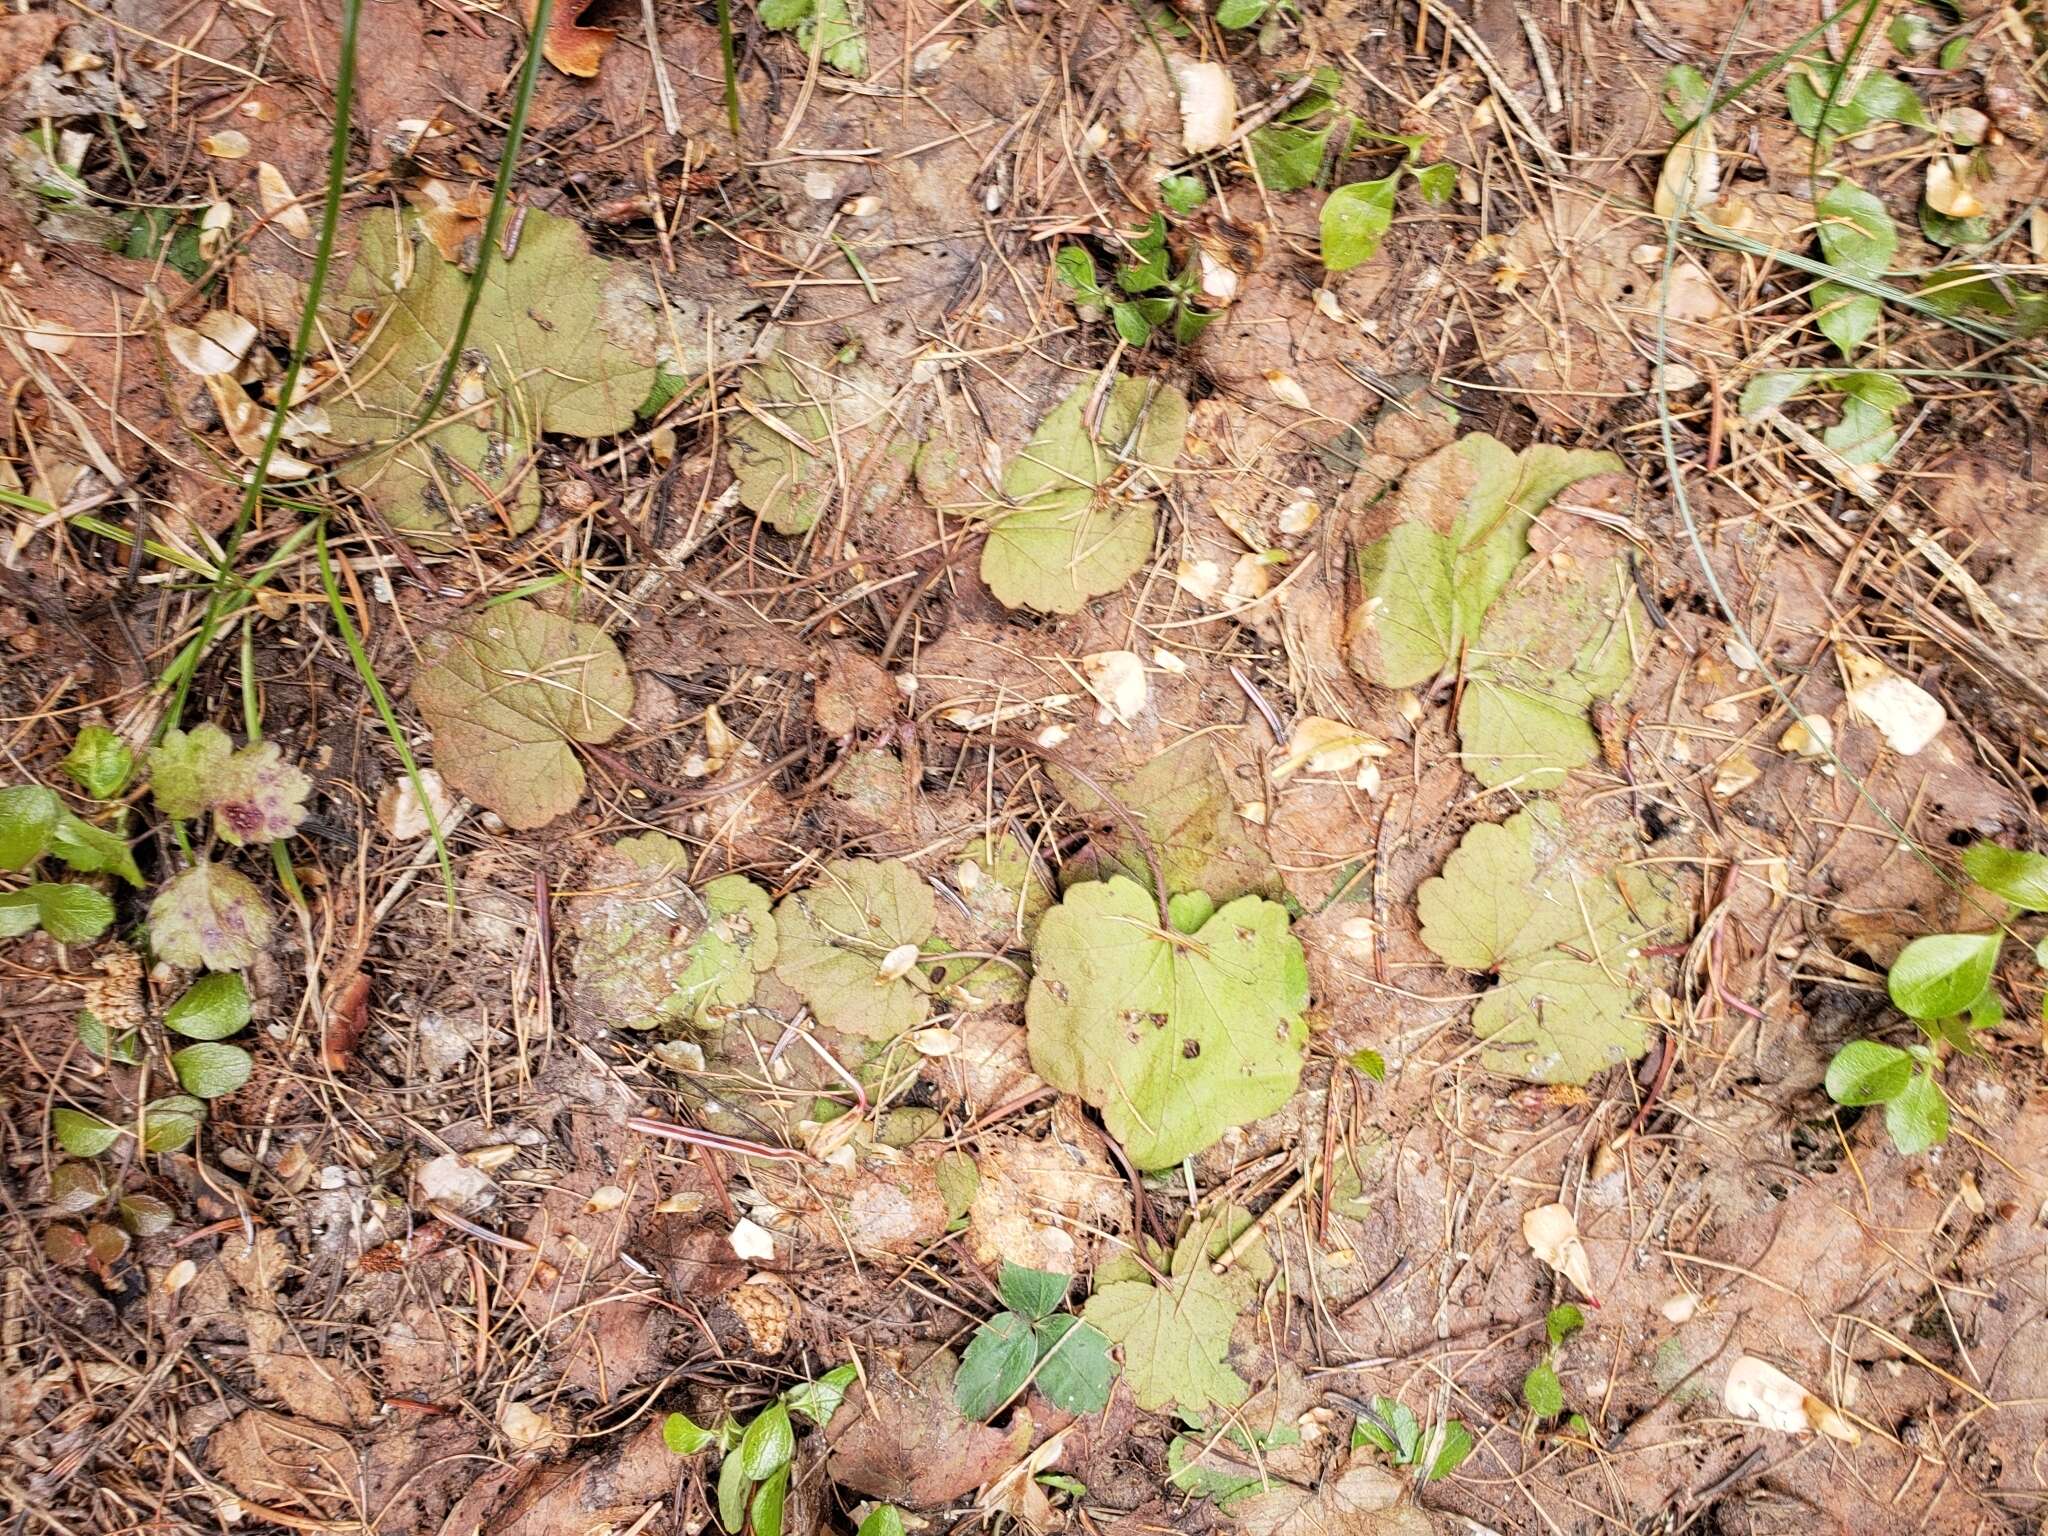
(835, 939)
(1561, 921)
(779, 446)
(1175, 1036)
(651, 948)
(562, 341)
(209, 917)
(1077, 520)
(505, 691)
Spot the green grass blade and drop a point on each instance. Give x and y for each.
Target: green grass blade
(302, 344)
(494, 221)
(385, 712)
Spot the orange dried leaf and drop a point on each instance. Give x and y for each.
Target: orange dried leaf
(571, 47)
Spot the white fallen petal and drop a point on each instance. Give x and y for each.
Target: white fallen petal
(280, 202)
(1208, 104)
(1326, 746)
(897, 963)
(1552, 1233)
(1905, 714)
(1118, 681)
(934, 1041)
(1759, 1391)
(1287, 390)
(752, 1241)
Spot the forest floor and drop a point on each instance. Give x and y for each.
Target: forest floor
(1301, 664)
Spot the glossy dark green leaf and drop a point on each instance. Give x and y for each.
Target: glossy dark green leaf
(768, 1443)
(212, 1069)
(996, 1365)
(1036, 1293)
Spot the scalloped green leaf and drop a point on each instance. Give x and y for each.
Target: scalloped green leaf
(1175, 1337)
(254, 794)
(562, 341)
(650, 948)
(1077, 521)
(779, 446)
(505, 691)
(1561, 921)
(836, 936)
(1174, 1036)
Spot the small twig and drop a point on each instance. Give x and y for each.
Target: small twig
(1256, 1228)
(647, 1125)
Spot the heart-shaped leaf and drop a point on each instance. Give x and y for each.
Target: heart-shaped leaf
(1174, 1036)
(505, 691)
(835, 939)
(1562, 922)
(562, 341)
(1077, 523)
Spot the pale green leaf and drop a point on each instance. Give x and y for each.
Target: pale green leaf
(1562, 637)
(834, 936)
(1355, 219)
(562, 341)
(1868, 1072)
(184, 767)
(70, 914)
(81, 1134)
(778, 444)
(212, 1008)
(209, 917)
(170, 1123)
(1918, 1118)
(505, 690)
(100, 762)
(1561, 920)
(1002, 888)
(733, 1487)
(651, 948)
(683, 1435)
(882, 1520)
(93, 850)
(2020, 877)
(1183, 800)
(1175, 1039)
(1076, 521)
(1176, 1337)
(28, 815)
(1456, 529)
(212, 1069)
(818, 1400)
(1942, 974)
